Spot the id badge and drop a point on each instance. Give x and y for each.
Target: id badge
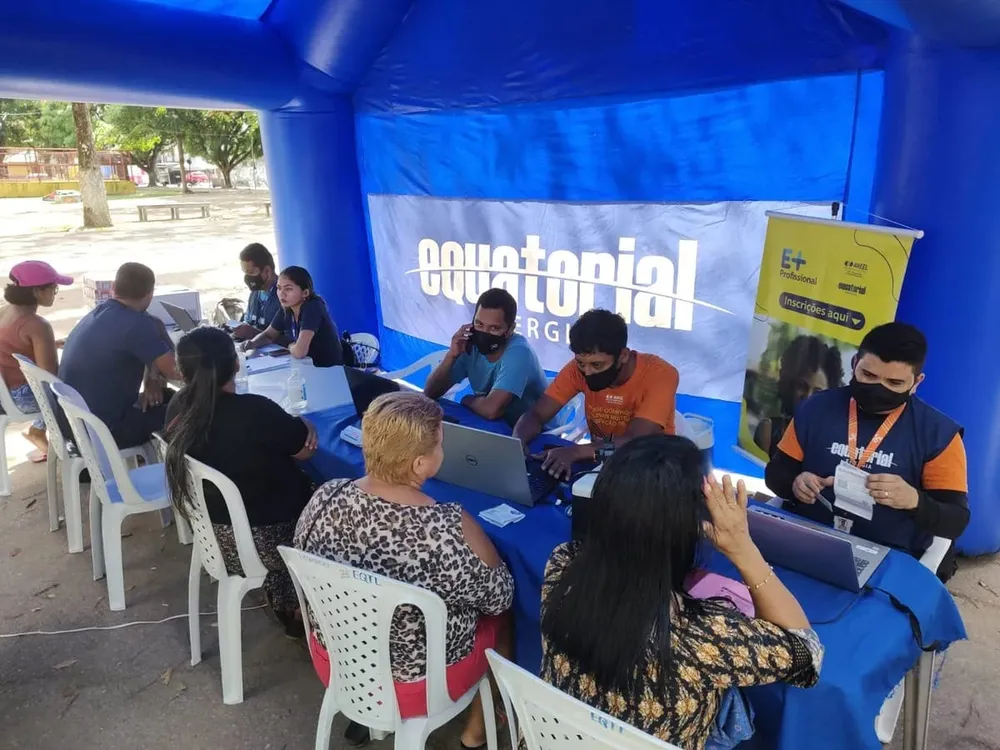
(843, 524)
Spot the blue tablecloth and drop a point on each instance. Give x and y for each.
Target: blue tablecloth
(871, 638)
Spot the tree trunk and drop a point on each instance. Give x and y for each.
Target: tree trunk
(92, 192)
(180, 158)
(227, 177)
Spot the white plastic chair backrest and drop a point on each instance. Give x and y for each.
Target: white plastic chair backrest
(9, 407)
(571, 421)
(353, 609)
(197, 516)
(551, 720)
(366, 348)
(96, 445)
(40, 380)
(431, 360)
(201, 524)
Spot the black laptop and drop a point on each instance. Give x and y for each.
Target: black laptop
(366, 387)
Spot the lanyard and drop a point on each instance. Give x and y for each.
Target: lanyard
(873, 444)
(293, 325)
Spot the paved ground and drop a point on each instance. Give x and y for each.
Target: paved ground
(134, 687)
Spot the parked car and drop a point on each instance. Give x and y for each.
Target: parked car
(198, 178)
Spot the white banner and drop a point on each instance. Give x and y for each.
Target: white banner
(684, 277)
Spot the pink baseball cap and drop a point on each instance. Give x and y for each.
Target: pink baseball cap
(37, 273)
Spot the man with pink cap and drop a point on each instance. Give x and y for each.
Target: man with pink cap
(23, 331)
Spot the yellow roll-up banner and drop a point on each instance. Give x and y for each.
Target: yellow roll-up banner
(823, 285)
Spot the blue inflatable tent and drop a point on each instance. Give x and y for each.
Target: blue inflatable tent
(370, 106)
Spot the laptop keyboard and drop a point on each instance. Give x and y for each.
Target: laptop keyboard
(860, 564)
(541, 483)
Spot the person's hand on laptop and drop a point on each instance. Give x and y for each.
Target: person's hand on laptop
(807, 487)
(558, 462)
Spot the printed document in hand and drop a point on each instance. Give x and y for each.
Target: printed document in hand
(851, 491)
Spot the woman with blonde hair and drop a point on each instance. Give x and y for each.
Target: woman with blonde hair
(385, 524)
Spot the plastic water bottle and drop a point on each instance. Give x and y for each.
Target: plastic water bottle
(296, 387)
(242, 380)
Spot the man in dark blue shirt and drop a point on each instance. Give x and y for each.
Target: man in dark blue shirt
(116, 348)
(912, 454)
(261, 278)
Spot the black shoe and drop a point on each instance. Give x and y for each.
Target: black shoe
(357, 735)
(295, 630)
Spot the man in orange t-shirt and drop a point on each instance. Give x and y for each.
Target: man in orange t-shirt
(627, 394)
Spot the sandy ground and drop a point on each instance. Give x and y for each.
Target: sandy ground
(134, 687)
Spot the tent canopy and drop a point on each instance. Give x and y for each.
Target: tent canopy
(886, 105)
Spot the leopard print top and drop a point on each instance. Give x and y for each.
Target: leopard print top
(423, 546)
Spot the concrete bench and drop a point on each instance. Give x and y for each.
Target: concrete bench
(175, 209)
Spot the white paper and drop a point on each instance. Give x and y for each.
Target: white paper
(851, 490)
(502, 515)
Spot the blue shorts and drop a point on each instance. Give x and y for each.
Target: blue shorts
(24, 399)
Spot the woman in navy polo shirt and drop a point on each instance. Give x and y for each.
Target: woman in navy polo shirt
(305, 320)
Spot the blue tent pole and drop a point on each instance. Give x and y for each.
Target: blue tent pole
(938, 170)
(312, 172)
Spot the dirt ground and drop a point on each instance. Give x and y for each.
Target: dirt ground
(133, 687)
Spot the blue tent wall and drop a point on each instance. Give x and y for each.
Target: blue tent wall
(800, 140)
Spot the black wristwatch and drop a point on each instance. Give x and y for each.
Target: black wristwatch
(603, 452)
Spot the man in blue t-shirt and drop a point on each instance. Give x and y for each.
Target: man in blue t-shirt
(116, 348)
(261, 278)
(913, 455)
(502, 368)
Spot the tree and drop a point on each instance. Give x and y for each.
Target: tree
(95, 199)
(18, 121)
(56, 126)
(227, 139)
(141, 131)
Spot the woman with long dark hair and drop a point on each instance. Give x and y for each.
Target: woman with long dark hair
(620, 633)
(808, 366)
(304, 320)
(252, 441)
(33, 284)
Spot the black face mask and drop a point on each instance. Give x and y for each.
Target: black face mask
(254, 283)
(598, 381)
(487, 343)
(875, 398)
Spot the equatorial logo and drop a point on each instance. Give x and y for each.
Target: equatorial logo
(651, 291)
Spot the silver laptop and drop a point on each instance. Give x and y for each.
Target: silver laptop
(492, 464)
(814, 550)
(181, 317)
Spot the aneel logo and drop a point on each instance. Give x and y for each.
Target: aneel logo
(650, 291)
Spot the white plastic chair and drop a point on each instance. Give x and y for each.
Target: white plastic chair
(431, 360)
(888, 716)
(354, 609)
(552, 720)
(121, 492)
(61, 457)
(366, 349)
(571, 421)
(11, 415)
(205, 553)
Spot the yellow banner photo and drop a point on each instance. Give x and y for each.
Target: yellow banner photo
(823, 285)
